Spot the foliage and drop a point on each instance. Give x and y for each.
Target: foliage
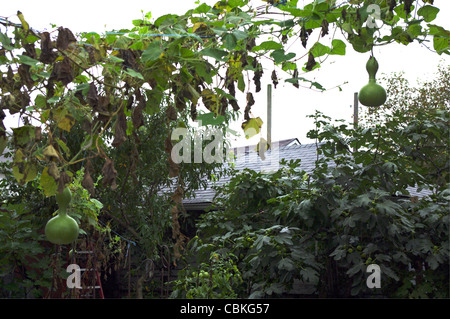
(107, 82)
(107, 103)
(409, 99)
(325, 226)
(218, 278)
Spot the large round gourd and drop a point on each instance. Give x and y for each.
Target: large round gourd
(372, 94)
(62, 229)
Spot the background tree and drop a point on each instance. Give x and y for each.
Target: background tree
(326, 226)
(108, 103)
(423, 99)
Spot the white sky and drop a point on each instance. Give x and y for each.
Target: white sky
(290, 105)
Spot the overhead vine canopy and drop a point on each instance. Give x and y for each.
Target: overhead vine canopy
(175, 63)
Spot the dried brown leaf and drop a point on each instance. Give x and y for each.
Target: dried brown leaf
(65, 37)
(47, 54)
(109, 174)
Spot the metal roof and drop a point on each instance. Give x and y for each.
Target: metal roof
(247, 158)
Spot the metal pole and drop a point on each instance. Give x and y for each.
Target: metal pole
(355, 114)
(269, 115)
(355, 110)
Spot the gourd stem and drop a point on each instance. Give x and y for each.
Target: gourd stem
(62, 212)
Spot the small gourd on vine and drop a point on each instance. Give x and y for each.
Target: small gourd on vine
(372, 94)
(62, 229)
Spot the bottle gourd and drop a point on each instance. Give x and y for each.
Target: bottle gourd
(62, 229)
(372, 94)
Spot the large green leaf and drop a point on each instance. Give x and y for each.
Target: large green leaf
(217, 54)
(268, 45)
(318, 49)
(428, 13)
(153, 52)
(280, 56)
(338, 47)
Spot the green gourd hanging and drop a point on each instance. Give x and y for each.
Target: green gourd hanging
(372, 94)
(62, 229)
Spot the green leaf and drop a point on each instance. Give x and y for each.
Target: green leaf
(153, 52)
(48, 183)
(24, 171)
(338, 47)
(63, 146)
(134, 74)
(441, 44)
(22, 20)
(214, 53)
(210, 119)
(428, 13)
(315, 84)
(279, 56)
(319, 49)
(97, 203)
(203, 8)
(268, 45)
(240, 35)
(167, 19)
(137, 22)
(6, 42)
(229, 41)
(27, 60)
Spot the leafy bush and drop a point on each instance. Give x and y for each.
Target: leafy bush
(353, 209)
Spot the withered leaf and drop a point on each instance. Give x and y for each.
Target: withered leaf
(129, 58)
(89, 167)
(274, 78)
(47, 53)
(30, 50)
(120, 131)
(92, 95)
(136, 116)
(93, 54)
(63, 180)
(324, 27)
(50, 153)
(103, 104)
(295, 75)
(311, 62)
(393, 4)
(223, 105)
(62, 71)
(250, 43)
(65, 37)
(234, 104)
(173, 167)
(53, 171)
(88, 183)
(24, 72)
(171, 113)
(168, 145)
(257, 78)
(344, 14)
(304, 35)
(407, 7)
(193, 111)
(250, 103)
(109, 174)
